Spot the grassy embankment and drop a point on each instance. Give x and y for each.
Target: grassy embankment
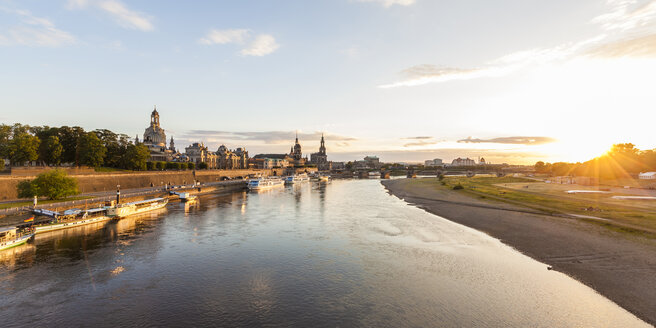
(29, 203)
(635, 219)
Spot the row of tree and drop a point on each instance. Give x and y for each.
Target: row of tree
(56, 145)
(621, 161)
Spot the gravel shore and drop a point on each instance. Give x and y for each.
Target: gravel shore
(618, 265)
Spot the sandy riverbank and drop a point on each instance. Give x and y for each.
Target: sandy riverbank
(620, 266)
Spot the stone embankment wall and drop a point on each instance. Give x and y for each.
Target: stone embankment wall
(99, 182)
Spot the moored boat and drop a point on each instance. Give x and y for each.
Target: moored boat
(70, 218)
(123, 210)
(324, 178)
(265, 183)
(14, 236)
(296, 178)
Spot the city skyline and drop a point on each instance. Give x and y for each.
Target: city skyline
(405, 80)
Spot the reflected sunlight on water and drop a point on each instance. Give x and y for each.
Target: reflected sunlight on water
(343, 254)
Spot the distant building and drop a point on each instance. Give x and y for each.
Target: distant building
(271, 161)
(433, 162)
(232, 159)
(155, 139)
(369, 162)
(337, 166)
(320, 159)
(463, 162)
(296, 154)
(198, 153)
(647, 176)
(482, 161)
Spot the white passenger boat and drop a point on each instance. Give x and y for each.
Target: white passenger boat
(123, 210)
(14, 236)
(265, 183)
(296, 178)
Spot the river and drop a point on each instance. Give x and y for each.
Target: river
(344, 254)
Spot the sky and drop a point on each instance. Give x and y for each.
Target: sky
(407, 80)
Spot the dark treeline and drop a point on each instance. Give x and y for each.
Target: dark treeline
(54, 146)
(621, 161)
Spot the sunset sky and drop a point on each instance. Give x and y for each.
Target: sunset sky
(408, 80)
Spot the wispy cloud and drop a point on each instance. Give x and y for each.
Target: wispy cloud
(267, 137)
(34, 31)
(390, 3)
(225, 36)
(263, 44)
(420, 143)
(512, 140)
(124, 16)
(627, 30)
(628, 15)
(417, 138)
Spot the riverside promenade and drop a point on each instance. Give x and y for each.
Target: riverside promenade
(13, 215)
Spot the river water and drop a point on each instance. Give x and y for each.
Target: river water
(344, 254)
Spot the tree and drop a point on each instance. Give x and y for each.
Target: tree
(136, 157)
(26, 189)
(50, 150)
(5, 139)
(91, 150)
(150, 166)
(191, 165)
(116, 145)
(23, 148)
(54, 184)
(160, 166)
(182, 166)
(170, 166)
(202, 166)
(69, 137)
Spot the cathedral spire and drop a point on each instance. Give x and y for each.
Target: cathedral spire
(322, 148)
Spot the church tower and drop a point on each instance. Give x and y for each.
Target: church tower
(297, 154)
(172, 145)
(154, 118)
(322, 148)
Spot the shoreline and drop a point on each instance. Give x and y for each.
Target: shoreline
(618, 266)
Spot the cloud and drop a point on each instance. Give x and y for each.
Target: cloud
(417, 138)
(123, 16)
(628, 15)
(267, 137)
(263, 44)
(420, 143)
(34, 31)
(389, 3)
(225, 36)
(627, 30)
(512, 140)
(644, 46)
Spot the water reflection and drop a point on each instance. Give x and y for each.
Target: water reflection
(343, 254)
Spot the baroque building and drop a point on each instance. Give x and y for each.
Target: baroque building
(155, 139)
(232, 159)
(199, 153)
(320, 159)
(296, 154)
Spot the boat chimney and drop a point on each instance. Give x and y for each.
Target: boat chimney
(118, 194)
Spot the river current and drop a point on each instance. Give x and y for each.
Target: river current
(346, 254)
